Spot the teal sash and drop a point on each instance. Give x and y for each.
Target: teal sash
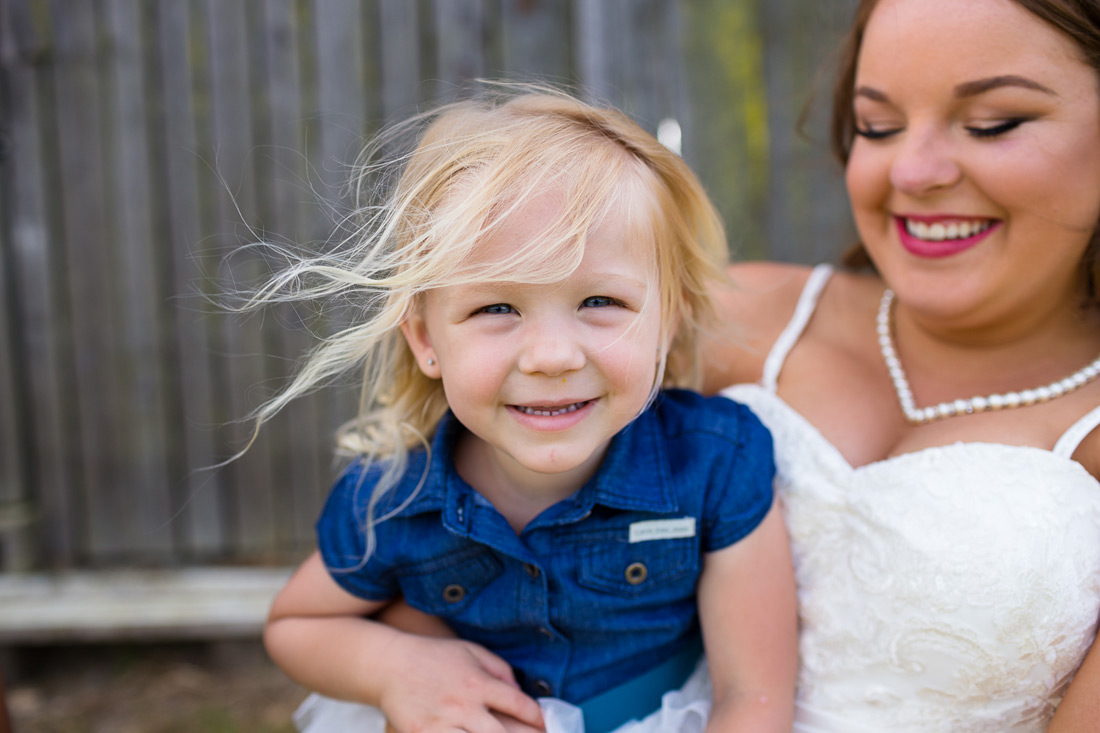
(641, 695)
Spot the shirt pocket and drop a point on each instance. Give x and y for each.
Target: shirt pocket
(445, 586)
(658, 568)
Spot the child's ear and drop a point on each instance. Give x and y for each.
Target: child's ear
(416, 335)
(670, 334)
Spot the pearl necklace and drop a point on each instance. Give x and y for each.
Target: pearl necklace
(918, 416)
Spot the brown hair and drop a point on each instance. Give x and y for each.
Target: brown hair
(1078, 20)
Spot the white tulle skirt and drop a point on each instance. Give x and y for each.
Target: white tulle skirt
(682, 711)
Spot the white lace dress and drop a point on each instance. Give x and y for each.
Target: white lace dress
(951, 589)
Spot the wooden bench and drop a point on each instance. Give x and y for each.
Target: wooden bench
(190, 603)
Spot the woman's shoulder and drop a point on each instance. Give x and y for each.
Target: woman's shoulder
(753, 307)
(757, 304)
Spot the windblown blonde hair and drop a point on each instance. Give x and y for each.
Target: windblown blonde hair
(473, 163)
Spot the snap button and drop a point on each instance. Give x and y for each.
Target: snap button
(454, 593)
(531, 569)
(542, 688)
(546, 632)
(636, 572)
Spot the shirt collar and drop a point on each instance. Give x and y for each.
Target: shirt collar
(633, 476)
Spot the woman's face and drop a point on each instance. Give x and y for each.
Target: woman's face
(975, 174)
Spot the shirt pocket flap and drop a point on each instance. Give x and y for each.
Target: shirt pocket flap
(445, 586)
(636, 568)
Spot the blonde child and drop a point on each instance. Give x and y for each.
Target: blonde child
(527, 472)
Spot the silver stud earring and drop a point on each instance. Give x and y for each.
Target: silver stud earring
(431, 362)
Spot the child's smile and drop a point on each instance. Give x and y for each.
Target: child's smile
(543, 375)
(552, 411)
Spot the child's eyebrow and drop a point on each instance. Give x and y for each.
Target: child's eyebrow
(592, 279)
(615, 279)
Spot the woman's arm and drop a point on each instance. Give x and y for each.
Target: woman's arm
(316, 632)
(748, 610)
(1079, 710)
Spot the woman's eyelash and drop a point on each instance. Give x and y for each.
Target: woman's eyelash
(873, 134)
(999, 129)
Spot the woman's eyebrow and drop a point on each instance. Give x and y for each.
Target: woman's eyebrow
(871, 93)
(980, 86)
(969, 88)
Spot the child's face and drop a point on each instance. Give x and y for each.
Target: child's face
(545, 374)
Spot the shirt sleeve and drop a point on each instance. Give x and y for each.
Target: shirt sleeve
(342, 538)
(740, 477)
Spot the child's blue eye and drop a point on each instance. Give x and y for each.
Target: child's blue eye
(998, 129)
(497, 309)
(599, 301)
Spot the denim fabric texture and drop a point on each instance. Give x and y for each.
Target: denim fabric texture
(572, 603)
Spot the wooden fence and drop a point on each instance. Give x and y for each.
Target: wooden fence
(142, 140)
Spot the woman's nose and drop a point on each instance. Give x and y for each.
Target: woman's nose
(924, 163)
(551, 349)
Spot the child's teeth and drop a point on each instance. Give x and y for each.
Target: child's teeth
(549, 411)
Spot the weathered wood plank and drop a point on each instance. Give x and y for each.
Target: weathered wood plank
(646, 61)
(140, 299)
(345, 101)
(826, 208)
(12, 478)
(250, 500)
(295, 438)
(399, 29)
(536, 40)
(34, 261)
(592, 28)
(200, 524)
(728, 144)
(805, 190)
(350, 110)
(92, 278)
(16, 553)
(461, 39)
(12, 408)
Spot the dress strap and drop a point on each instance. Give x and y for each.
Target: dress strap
(807, 302)
(1072, 438)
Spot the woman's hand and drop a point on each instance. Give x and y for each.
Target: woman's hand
(450, 684)
(319, 634)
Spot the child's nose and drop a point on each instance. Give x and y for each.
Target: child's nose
(552, 349)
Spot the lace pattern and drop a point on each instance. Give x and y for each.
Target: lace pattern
(956, 588)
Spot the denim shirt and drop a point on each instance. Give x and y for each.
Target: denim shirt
(599, 587)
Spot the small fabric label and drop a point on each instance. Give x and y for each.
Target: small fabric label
(662, 529)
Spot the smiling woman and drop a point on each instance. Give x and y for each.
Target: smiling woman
(935, 416)
(999, 136)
